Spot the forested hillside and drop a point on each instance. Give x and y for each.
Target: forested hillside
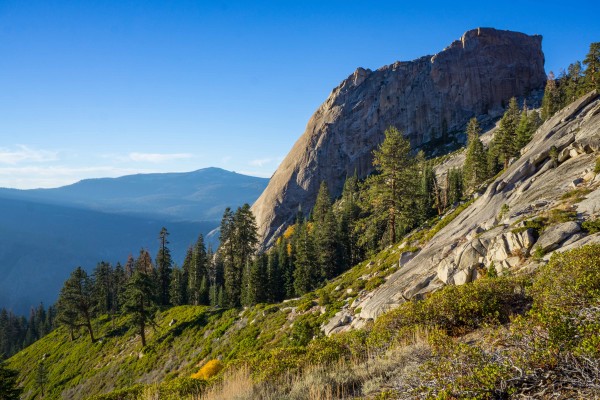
(236, 323)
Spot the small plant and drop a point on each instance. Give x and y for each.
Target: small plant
(491, 271)
(554, 156)
(597, 167)
(208, 370)
(373, 283)
(538, 253)
(503, 211)
(558, 216)
(591, 226)
(576, 195)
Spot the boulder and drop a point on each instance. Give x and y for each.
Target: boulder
(554, 235)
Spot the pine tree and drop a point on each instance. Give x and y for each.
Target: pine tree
(76, 301)
(454, 185)
(198, 271)
(41, 377)
(9, 389)
(119, 281)
(255, 281)
(306, 268)
(426, 195)
(506, 136)
(140, 302)
(475, 166)
(164, 264)
(144, 264)
(103, 287)
(177, 288)
(524, 130)
(348, 216)
(275, 281)
(232, 271)
(551, 101)
(395, 186)
(326, 238)
(592, 70)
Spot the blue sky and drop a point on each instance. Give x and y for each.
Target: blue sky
(108, 88)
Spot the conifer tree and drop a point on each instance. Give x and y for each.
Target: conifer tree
(103, 287)
(348, 216)
(506, 136)
(129, 267)
(144, 263)
(475, 166)
(551, 101)
(164, 265)
(178, 287)
(326, 238)
(232, 271)
(306, 268)
(395, 186)
(140, 301)
(9, 389)
(41, 377)
(454, 185)
(76, 301)
(426, 193)
(524, 129)
(592, 70)
(198, 271)
(275, 289)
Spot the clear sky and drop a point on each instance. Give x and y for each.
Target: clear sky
(108, 88)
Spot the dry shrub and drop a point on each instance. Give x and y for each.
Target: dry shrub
(236, 385)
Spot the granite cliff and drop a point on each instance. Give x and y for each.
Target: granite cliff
(428, 99)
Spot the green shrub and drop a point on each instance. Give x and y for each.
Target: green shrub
(565, 294)
(558, 216)
(180, 387)
(374, 283)
(591, 226)
(597, 166)
(130, 393)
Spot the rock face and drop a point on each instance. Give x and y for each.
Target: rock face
(427, 99)
(532, 186)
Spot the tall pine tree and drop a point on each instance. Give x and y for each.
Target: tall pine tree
(475, 166)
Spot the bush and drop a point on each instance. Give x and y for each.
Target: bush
(208, 370)
(565, 294)
(591, 226)
(130, 393)
(597, 167)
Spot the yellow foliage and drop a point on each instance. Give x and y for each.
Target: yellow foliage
(289, 231)
(208, 370)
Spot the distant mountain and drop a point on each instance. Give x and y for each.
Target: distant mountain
(189, 196)
(46, 233)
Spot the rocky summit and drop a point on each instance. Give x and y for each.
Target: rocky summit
(428, 99)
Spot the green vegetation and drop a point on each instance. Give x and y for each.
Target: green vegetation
(591, 226)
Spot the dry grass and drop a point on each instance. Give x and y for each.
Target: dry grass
(236, 385)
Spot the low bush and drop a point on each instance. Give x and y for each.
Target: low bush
(208, 370)
(591, 226)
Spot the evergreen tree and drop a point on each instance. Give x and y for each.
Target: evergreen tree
(144, 264)
(198, 272)
(140, 302)
(119, 281)
(255, 281)
(275, 289)
(475, 166)
(454, 185)
(524, 130)
(129, 267)
(103, 287)
(426, 195)
(506, 136)
(76, 301)
(326, 238)
(395, 186)
(348, 216)
(177, 288)
(306, 269)
(232, 271)
(8, 382)
(551, 101)
(592, 70)
(164, 264)
(41, 377)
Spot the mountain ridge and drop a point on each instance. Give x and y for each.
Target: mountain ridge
(430, 99)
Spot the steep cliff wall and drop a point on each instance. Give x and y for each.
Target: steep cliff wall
(426, 99)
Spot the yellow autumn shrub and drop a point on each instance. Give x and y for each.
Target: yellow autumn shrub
(208, 370)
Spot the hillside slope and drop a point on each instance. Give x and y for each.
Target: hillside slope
(548, 206)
